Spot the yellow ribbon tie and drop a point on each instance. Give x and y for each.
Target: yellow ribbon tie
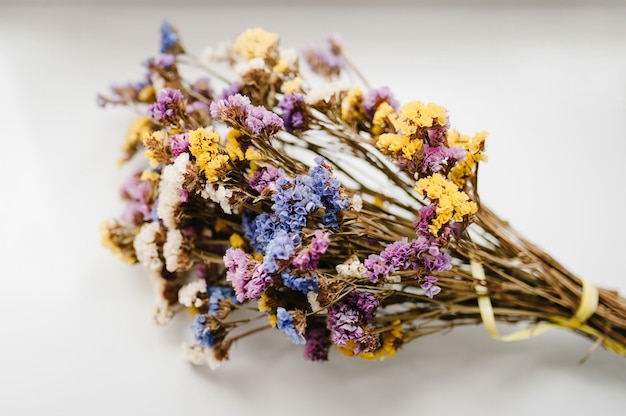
(587, 307)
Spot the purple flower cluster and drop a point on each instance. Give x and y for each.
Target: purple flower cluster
(294, 112)
(429, 286)
(238, 112)
(308, 257)
(347, 318)
(374, 98)
(285, 324)
(264, 177)
(436, 158)
(317, 343)
(248, 277)
(326, 60)
(423, 253)
(138, 194)
(179, 144)
(169, 107)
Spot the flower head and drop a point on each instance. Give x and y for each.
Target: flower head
(169, 107)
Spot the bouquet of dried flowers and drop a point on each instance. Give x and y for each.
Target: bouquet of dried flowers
(297, 197)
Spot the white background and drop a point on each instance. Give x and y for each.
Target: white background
(548, 83)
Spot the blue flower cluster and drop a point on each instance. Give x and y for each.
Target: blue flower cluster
(277, 234)
(169, 37)
(216, 295)
(300, 284)
(200, 331)
(285, 324)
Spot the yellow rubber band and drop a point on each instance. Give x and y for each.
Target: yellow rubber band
(588, 305)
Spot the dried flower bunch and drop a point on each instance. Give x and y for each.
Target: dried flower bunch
(276, 194)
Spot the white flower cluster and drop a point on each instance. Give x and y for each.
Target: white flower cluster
(146, 248)
(172, 180)
(325, 92)
(255, 64)
(220, 195)
(357, 202)
(188, 294)
(198, 355)
(175, 258)
(351, 268)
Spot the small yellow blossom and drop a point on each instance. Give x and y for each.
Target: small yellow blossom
(292, 86)
(138, 129)
(381, 118)
(236, 241)
(474, 147)
(417, 114)
(263, 304)
(220, 225)
(348, 350)
(119, 240)
(150, 175)
(204, 145)
(252, 154)
(255, 43)
(390, 341)
(351, 110)
(157, 148)
(147, 94)
(452, 203)
(232, 145)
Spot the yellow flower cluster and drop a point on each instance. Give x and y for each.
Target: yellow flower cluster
(390, 341)
(351, 106)
(236, 241)
(157, 148)
(474, 146)
(381, 117)
(414, 117)
(255, 43)
(135, 134)
(119, 240)
(232, 145)
(204, 145)
(452, 203)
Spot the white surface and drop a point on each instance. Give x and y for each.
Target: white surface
(549, 84)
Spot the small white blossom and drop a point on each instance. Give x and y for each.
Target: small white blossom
(198, 355)
(217, 54)
(325, 92)
(253, 64)
(357, 202)
(172, 180)
(146, 248)
(351, 268)
(290, 56)
(175, 257)
(312, 298)
(162, 313)
(157, 81)
(188, 294)
(219, 194)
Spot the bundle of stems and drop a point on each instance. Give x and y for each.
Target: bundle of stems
(328, 212)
